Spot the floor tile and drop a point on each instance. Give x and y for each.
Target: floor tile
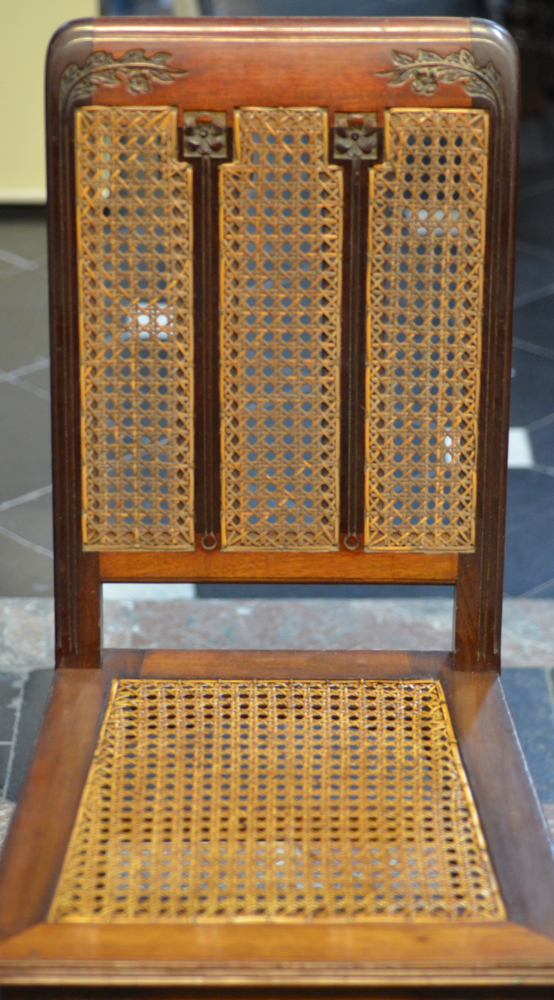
(40, 378)
(543, 442)
(532, 388)
(529, 532)
(293, 624)
(26, 634)
(24, 572)
(23, 230)
(149, 591)
(530, 703)
(4, 761)
(24, 318)
(10, 689)
(533, 271)
(31, 520)
(536, 148)
(35, 697)
(528, 632)
(533, 325)
(24, 442)
(247, 591)
(535, 223)
(520, 449)
(6, 813)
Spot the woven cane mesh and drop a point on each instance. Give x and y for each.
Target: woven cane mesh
(276, 801)
(281, 229)
(134, 222)
(426, 258)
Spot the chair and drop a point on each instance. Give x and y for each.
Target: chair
(230, 201)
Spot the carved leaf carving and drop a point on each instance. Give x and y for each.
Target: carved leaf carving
(135, 68)
(428, 69)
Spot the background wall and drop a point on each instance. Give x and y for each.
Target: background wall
(26, 27)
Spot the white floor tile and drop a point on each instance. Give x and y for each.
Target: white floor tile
(149, 591)
(520, 449)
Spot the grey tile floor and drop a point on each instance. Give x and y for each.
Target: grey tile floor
(25, 487)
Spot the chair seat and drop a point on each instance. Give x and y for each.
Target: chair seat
(276, 800)
(308, 817)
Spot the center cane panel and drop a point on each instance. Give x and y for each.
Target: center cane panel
(281, 235)
(298, 800)
(426, 270)
(134, 220)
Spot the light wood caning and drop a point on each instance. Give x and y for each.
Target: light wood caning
(281, 233)
(134, 217)
(276, 801)
(426, 258)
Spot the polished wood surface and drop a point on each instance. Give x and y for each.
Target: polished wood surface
(272, 567)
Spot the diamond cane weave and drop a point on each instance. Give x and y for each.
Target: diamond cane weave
(281, 232)
(276, 801)
(134, 221)
(426, 258)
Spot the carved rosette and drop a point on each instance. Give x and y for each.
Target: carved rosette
(204, 134)
(139, 72)
(355, 137)
(427, 70)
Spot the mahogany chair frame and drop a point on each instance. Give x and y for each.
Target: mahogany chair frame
(279, 63)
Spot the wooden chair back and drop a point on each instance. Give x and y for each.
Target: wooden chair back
(281, 290)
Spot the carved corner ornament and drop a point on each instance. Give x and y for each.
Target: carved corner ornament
(427, 70)
(138, 71)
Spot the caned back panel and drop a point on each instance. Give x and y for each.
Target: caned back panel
(134, 216)
(426, 271)
(281, 235)
(281, 228)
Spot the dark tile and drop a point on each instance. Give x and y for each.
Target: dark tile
(23, 318)
(534, 177)
(536, 148)
(531, 706)
(529, 532)
(25, 442)
(535, 222)
(31, 520)
(532, 388)
(35, 697)
(533, 271)
(10, 689)
(534, 324)
(25, 572)
(251, 591)
(543, 444)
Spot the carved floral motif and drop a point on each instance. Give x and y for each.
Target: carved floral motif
(356, 136)
(204, 134)
(138, 71)
(427, 70)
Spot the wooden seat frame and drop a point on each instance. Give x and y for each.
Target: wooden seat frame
(340, 64)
